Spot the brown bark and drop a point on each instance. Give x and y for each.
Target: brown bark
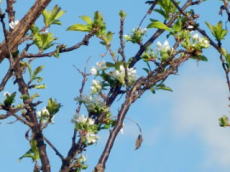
(23, 26)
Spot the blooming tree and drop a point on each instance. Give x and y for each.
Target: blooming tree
(129, 76)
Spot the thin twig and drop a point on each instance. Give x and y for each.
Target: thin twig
(84, 41)
(7, 76)
(83, 82)
(54, 148)
(149, 11)
(122, 48)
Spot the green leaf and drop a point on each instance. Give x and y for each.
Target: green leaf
(200, 58)
(44, 40)
(163, 87)
(167, 8)
(79, 27)
(53, 106)
(217, 30)
(224, 121)
(51, 17)
(9, 100)
(34, 29)
(87, 19)
(158, 25)
(34, 96)
(32, 153)
(42, 86)
(24, 97)
(37, 70)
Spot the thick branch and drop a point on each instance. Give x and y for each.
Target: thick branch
(10, 10)
(23, 26)
(31, 114)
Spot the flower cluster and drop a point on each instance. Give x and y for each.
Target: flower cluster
(199, 41)
(99, 66)
(45, 116)
(111, 72)
(165, 47)
(164, 50)
(120, 75)
(13, 24)
(87, 129)
(136, 35)
(96, 86)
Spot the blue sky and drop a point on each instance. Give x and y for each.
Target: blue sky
(180, 128)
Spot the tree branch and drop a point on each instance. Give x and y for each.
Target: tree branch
(10, 10)
(54, 148)
(84, 41)
(22, 27)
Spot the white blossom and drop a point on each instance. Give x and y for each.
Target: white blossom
(83, 119)
(120, 74)
(163, 47)
(90, 121)
(122, 129)
(42, 113)
(205, 43)
(201, 41)
(101, 65)
(96, 86)
(93, 71)
(45, 116)
(127, 37)
(80, 119)
(91, 138)
(195, 36)
(82, 158)
(13, 24)
(140, 30)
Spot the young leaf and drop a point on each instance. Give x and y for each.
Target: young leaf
(9, 99)
(42, 86)
(79, 27)
(51, 17)
(87, 19)
(34, 29)
(37, 70)
(53, 106)
(217, 30)
(44, 40)
(164, 87)
(200, 58)
(32, 153)
(158, 25)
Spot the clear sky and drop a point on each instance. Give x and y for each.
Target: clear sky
(180, 128)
